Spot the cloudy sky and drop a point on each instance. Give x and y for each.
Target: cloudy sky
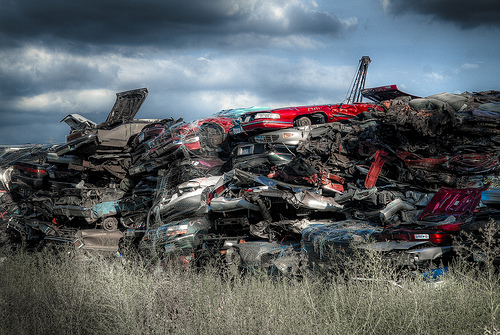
(197, 56)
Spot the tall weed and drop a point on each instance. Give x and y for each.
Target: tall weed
(47, 294)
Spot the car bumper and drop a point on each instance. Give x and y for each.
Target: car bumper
(266, 124)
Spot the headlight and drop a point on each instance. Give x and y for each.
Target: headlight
(177, 230)
(267, 116)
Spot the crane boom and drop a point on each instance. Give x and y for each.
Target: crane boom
(358, 83)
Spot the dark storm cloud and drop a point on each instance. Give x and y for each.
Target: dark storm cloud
(26, 71)
(128, 22)
(465, 13)
(34, 127)
(60, 57)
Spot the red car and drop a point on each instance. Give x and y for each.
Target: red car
(210, 131)
(299, 116)
(441, 218)
(207, 132)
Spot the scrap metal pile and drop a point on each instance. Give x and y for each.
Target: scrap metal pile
(263, 187)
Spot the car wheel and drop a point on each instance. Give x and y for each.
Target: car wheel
(110, 224)
(211, 136)
(302, 121)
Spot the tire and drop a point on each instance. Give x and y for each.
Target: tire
(211, 136)
(110, 224)
(302, 121)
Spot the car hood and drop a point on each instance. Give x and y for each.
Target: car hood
(127, 105)
(78, 122)
(389, 92)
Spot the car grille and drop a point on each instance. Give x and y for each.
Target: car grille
(270, 138)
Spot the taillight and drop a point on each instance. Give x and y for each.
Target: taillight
(32, 171)
(416, 236)
(440, 238)
(210, 196)
(219, 189)
(71, 137)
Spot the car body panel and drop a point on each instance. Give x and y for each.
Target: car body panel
(206, 134)
(73, 144)
(323, 241)
(491, 197)
(441, 218)
(127, 105)
(437, 237)
(290, 137)
(381, 93)
(177, 235)
(246, 156)
(31, 174)
(285, 117)
(78, 122)
(313, 201)
(459, 203)
(99, 240)
(116, 132)
(187, 198)
(226, 205)
(95, 212)
(392, 245)
(430, 254)
(120, 135)
(340, 233)
(235, 113)
(259, 255)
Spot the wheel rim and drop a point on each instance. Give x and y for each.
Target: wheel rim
(303, 121)
(110, 224)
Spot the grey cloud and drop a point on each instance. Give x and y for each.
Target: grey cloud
(184, 86)
(36, 71)
(318, 23)
(465, 13)
(127, 22)
(269, 78)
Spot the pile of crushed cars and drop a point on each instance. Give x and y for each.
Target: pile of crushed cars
(273, 189)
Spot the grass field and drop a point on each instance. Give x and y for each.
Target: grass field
(42, 294)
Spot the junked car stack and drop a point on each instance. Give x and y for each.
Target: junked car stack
(263, 187)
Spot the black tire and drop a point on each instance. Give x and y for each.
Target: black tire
(302, 121)
(110, 224)
(211, 136)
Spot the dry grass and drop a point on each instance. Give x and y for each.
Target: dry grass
(44, 294)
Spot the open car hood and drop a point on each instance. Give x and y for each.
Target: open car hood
(460, 203)
(127, 105)
(381, 93)
(78, 122)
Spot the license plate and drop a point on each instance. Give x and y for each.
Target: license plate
(169, 248)
(479, 257)
(421, 236)
(237, 130)
(246, 151)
